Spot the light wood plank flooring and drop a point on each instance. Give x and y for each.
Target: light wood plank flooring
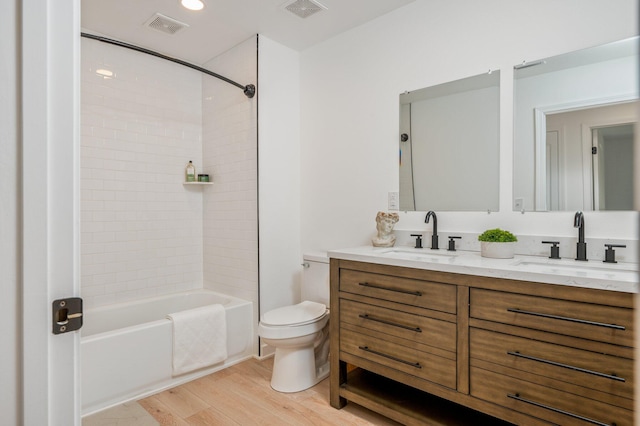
(241, 395)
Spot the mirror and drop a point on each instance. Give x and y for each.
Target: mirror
(574, 124)
(449, 146)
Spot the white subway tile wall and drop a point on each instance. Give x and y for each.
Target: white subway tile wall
(230, 155)
(141, 229)
(143, 233)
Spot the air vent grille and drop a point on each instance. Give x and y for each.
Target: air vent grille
(304, 8)
(165, 24)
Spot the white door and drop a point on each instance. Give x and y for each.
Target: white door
(553, 170)
(612, 154)
(50, 37)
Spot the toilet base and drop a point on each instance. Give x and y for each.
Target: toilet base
(294, 370)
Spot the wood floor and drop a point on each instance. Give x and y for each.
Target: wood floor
(241, 395)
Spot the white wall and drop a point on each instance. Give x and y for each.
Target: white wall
(349, 107)
(230, 155)
(10, 281)
(141, 228)
(229, 129)
(279, 175)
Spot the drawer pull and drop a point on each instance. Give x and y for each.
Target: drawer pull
(367, 349)
(538, 314)
(570, 367)
(517, 397)
(406, 327)
(397, 290)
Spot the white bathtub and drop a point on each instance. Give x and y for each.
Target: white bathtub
(126, 349)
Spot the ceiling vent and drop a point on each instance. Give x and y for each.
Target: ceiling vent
(304, 8)
(165, 24)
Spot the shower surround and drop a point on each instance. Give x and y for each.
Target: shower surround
(143, 233)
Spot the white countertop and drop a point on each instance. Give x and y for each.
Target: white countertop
(594, 274)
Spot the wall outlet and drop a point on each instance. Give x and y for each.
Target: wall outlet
(394, 201)
(518, 204)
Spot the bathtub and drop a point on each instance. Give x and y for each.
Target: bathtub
(126, 349)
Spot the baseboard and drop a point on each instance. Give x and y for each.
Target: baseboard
(266, 351)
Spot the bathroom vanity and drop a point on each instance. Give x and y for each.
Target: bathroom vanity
(427, 338)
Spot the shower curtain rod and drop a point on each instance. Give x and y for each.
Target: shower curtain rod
(249, 90)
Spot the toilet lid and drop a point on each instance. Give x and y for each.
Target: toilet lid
(294, 315)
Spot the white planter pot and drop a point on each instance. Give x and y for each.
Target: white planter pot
(497, 250)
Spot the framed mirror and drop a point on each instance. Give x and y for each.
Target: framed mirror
(574, 123)
(449, 146)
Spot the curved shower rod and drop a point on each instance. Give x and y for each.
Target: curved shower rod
(249, 90)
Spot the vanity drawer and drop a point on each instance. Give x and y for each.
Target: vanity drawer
(585, 320)
(409, 360)
(562, 408)
(601, 372)
(416, 328)
(425, 294)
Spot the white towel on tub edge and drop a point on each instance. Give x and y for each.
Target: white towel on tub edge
(199, 338)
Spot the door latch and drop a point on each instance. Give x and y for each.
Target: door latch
(67, 315)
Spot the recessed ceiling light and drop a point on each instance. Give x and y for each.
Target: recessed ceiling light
(192, 4)
(104, 73)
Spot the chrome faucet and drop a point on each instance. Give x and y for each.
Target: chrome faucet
(578, 222)
(434, 236)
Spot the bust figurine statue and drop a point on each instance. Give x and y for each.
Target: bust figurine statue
(384, 225)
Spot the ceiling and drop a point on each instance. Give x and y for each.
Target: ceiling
(223, 24)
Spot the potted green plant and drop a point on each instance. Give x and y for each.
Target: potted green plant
(497, 243)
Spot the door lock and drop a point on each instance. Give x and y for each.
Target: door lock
(67, 315)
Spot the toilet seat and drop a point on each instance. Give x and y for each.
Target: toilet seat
(295, 315)
(293, 321)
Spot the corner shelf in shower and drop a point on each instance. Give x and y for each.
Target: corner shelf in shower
(197, 183)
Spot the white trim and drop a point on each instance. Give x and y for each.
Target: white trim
(540, 161)
(50, 170)
(589, 168)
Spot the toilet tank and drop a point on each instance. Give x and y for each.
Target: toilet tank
(315, 277)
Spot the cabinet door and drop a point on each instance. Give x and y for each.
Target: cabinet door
(608, 324)
(424, 294)
(414, 328)
(562, 408)
(411, 360)
(601, 372)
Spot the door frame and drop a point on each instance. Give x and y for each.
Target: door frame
(540, 135)
(590, 166)
(50, 115)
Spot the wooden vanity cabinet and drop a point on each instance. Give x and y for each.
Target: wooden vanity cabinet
(427, 347)
(562, 360)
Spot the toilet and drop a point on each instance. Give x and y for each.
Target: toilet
(300, 333)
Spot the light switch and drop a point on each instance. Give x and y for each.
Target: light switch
(394, 203)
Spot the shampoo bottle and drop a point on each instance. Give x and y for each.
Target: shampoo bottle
(190, 172)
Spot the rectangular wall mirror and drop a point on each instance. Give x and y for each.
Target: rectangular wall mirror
(574, 121)
(449, 146)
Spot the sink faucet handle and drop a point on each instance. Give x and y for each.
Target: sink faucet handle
(610, 253)
(418, 240)
(555, 250)
(452, 242)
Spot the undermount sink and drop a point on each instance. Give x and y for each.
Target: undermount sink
(424, 254)
(594, 268)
